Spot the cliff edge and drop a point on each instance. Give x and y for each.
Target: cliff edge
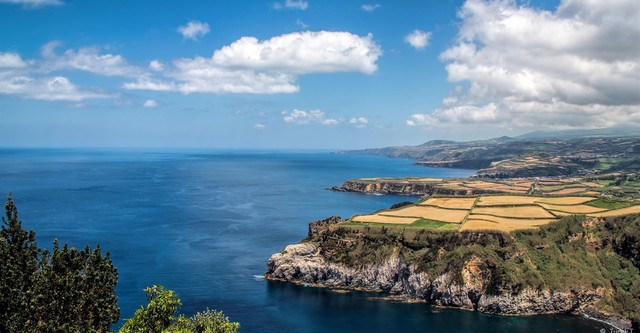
(585, 266)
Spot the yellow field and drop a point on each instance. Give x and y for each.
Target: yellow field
(521, 211)
(558, 213)
(493, 212)
(575, 209)
(565, 200)
(502, 200)
(570, 190)
(508, 225)
(428, 212)
(618, 212)
(376, 218)
(454, 203)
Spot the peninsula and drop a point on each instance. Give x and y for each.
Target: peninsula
(499, 245)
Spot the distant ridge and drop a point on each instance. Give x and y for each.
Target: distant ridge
(581, 133)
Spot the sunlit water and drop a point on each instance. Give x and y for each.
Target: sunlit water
(204, 223)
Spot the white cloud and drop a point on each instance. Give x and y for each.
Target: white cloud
(528, 68)
(418, 39)
(260, 126)
(86, 59)
(369, 8)
(33, 3)
(359, 122)
(308, 117)
(301, 24)
(57, 88)
(156, 65)
(293, 4)
(10, 60)
(303, 52)
(29, 79)
(150, 103)
(194, 29)
(267, 67)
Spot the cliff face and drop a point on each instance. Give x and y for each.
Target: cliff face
(389, 186)
(303, 264)
(386, 187)
(490, 273)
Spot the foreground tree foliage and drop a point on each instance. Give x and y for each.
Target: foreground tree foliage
(64, 290)
(159, 317)
(72, 290)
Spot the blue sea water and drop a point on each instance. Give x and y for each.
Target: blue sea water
(204, 223)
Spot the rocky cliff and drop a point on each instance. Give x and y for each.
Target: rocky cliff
(450, 269)
(406, 187)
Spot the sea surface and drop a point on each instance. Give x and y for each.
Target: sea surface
(204, 223)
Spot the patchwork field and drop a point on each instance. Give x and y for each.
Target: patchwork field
(495, 212)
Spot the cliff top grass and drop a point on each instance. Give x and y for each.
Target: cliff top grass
(503, 213)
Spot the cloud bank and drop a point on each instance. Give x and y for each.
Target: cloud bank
(271, 66)
(34, 3)
(521, 67)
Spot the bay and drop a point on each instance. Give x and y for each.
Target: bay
(204, 223)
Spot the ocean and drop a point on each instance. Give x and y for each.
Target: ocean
(203, 223)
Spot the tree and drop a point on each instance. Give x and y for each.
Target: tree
(66, 290)
(158, 314)
(18, 263)
(159, 317)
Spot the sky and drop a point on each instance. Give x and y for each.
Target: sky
(311, 74)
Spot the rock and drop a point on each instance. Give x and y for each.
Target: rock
(320, 226)
(304, 264)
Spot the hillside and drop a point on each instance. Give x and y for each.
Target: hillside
(507, 157)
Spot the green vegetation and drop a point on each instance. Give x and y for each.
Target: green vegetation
(72, 290)
(159, 316)
(607, 203)
(67, 290)
(575, 253)
(432, 224)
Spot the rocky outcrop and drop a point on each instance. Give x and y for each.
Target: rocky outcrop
(304, 264)
(386, 187)
(406, 187)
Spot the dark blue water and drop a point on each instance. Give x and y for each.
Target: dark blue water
(205, 223)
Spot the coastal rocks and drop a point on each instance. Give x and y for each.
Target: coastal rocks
(386, 187)
(529, 301)
(465, 289)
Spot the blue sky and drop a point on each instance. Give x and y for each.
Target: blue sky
(311, 74)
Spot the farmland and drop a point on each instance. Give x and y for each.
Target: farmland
(494, 212)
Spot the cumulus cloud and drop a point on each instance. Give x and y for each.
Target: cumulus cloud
(194, 29)
(526, 68)
(57, 88)
(33, 3)
(86, 59)
(307, 117)
(40, 78)
(150, 103)
(156, 65)
(260, 126)
(10, 60)
(418, 39)
(292, 4)
(249, 65)
(370, 7)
